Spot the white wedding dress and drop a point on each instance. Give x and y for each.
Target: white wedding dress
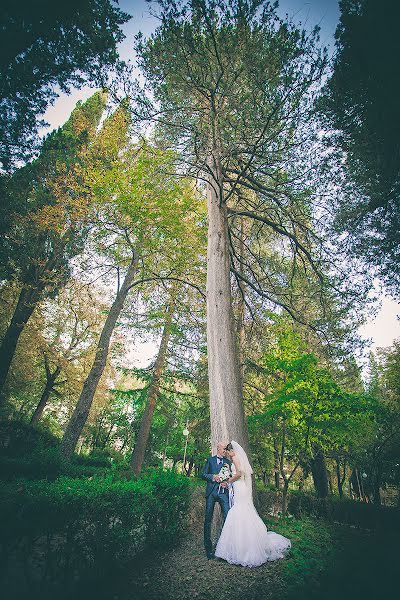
(244, 539)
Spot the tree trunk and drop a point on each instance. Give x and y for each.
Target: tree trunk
(305, 471)
(27, 301)
(81, 412)
(145, 424)
(339, 478)
(277, 480)
(276, 470)
(319, 472)
(377, 477)
(190, 468)
(108, 436)
(285, 498)
(226, 400)
(241, 331)
(48, 388)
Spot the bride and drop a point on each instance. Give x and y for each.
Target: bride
(244, 539)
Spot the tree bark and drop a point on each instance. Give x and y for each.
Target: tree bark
(277, 479)
(339, 477)
(48, 388)
(145, 424)
(305, 471)
(226, 399)
(377, 478)
(319, 472)
(241, 330)
(27, 301)
(81, 412)
(108, 436)
(285, 493)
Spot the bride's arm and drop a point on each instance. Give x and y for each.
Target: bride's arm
(238, 473)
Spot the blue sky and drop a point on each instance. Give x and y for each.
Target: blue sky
(325, 13)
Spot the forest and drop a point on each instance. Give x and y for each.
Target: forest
(230, 199)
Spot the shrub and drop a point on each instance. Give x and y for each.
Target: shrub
(360, 514)
(72, 529)
(18, 438)
(97, 458)
(47, 463)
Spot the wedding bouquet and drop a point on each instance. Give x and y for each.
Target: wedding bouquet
(224, 473)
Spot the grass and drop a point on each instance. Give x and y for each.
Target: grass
(331, 561)
(327, 562)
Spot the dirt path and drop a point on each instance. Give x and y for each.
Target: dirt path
(184, 572)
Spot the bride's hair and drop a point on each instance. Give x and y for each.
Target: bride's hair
(229, 447)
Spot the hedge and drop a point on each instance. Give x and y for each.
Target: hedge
(350, 512)
(54, 535)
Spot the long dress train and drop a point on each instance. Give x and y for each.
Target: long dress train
(245, 540)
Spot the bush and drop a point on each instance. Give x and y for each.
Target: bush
(360, 514)
(56, 534)
(47, 463)
(98, 458)
(33, 453)
(19, 439)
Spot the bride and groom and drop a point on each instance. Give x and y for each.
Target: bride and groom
(244, 538)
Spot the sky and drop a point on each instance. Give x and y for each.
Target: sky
(382, 329)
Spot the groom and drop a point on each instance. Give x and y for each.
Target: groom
(215, 492)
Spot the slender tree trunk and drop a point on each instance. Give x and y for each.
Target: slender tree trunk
(339, 478)
(190, 468)
(276, 470)
(319, 472)
(305, 471)
(377, 484)
(27, 301)
(276, 456)
(285, 491)
(226, 399)
(81, 412)
(108, 436)
(48, 388)
(145, 424)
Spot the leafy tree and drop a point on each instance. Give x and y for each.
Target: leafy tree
(142, 216)
(233, 86)
(306, 413)
(44, 45)
(71, 322)
(361, 104)
(381, 451)
(45, 219)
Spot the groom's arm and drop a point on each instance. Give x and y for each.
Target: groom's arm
(206, 472)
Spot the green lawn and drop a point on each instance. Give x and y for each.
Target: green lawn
(333, 561)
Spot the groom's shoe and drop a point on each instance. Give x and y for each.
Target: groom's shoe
(210, 555)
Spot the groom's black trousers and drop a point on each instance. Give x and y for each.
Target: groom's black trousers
(223, 499)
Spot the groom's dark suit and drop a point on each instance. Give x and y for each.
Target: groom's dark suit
(214, 493)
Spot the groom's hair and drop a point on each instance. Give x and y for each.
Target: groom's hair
(229, 447)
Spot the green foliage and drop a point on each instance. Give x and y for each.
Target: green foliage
(39, 203)
(46, 45)
(310, 555)
(304, 407)
(382, 450)
(17, 438)
(32, 452)
(361, 104)
(75, 530)
(358, 514)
